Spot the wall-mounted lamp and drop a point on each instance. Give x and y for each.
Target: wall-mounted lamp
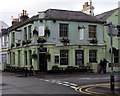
(81, 27)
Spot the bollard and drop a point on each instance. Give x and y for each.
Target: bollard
(25, 70)
(112, 83)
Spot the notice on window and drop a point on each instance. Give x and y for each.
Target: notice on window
(81, 34)
(41, 31)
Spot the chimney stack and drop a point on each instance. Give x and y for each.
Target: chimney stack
(21, 18)
(15, 21)
(24, 16)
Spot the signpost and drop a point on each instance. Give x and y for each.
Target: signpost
(112, 32)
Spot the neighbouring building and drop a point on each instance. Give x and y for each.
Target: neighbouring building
(112, 16)
(56, 37)
(3, 44)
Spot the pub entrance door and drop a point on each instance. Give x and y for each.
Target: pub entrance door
(43, 61)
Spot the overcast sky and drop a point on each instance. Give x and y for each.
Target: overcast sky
(9, 8)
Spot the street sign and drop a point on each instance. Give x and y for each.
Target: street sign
(112, 30)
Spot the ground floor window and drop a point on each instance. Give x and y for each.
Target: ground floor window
(92, 56)
(13, 58)
(30, 57)
(19, 58)
(116, 57)
(4, 58)
(63, 57)
(25, 56)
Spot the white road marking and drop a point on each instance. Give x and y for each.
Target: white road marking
(47, 80)
(73, 84)
(73, 87)
(65, 84)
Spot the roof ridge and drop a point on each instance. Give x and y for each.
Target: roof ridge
(108, 11)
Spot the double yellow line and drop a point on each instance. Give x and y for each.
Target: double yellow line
(82, 88)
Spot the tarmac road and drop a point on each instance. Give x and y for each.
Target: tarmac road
(88, 83)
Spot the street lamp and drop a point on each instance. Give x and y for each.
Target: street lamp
(111, 33)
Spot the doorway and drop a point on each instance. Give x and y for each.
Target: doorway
(42, 62)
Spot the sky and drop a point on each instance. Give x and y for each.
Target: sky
(11, 8)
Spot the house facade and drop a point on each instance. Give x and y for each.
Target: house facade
(56, 37)
(112, 16)
(3, 44)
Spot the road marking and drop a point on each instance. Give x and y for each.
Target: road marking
(91, 85)
(47, 80)
(65, 84)
(73, 84)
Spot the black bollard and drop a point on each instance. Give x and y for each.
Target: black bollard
(112, 85)
(25, 71)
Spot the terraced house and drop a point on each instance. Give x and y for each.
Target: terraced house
(112, 16)
(56, 37)
(3, 44)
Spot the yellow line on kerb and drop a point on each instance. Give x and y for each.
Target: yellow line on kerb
(79, 89)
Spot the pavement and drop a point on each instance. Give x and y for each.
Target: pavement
(100, 89)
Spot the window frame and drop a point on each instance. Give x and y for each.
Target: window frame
(29, 31)
(25, 33)
(93, 56)
(92, 31)
(63, 29)
(64, 57)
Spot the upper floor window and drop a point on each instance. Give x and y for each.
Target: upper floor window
(63, 57)
(25, 33)
(118, 30)
(93, 56)
(92, 31)
(63, 30)
(5, 41)
(29, 32)
(13, 36)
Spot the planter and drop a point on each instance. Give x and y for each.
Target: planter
(64, 40)
(24, 42)
(41, 40)
(94, 41)
(28, 41)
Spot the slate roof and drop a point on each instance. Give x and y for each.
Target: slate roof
(104, 16)
(70, 16)
(64, 15)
